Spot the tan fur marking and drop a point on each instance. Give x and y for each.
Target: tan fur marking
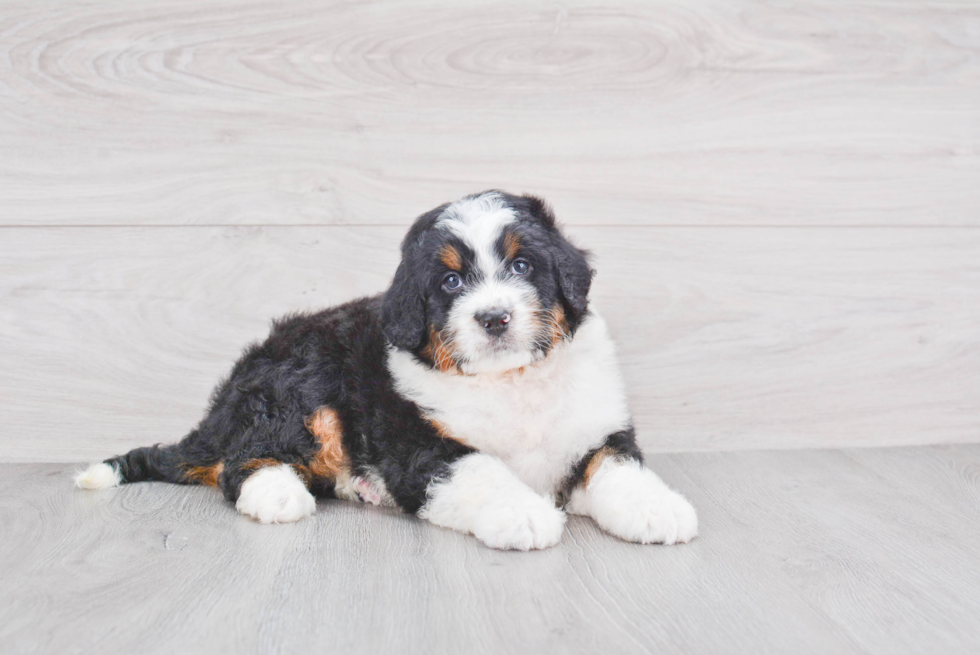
(440, 354)
(260, 463)
(595, 463)
(444, 432)
(331, 460)
(557, 324)
(205, 475)
(451, 258)
(512, 245)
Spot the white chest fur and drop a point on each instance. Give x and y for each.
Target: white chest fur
(539, 421)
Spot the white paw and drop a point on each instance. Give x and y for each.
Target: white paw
(519, 524)
(665, 518)
(632, 503)
(484, 497)
(98, 476)
(275, 494)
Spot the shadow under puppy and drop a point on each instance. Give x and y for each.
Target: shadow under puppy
(479, 392)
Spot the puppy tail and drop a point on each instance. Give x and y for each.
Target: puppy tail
(98, 476)
(162, 463)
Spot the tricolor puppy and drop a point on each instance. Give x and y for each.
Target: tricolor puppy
(479, 392)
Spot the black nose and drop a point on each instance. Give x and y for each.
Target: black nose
(494, 321)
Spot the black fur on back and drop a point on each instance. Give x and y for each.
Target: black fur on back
(334, 358)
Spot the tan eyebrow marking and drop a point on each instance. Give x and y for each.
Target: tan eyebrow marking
(512, 245)
(450, 256)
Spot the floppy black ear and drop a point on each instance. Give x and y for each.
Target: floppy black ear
(574, 276)
(403, 306)
(572, 270)
(403, 310)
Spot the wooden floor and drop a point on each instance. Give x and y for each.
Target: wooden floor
(809, 551)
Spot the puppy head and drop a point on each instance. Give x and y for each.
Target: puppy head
(486, 284)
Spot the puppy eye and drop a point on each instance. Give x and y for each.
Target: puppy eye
(520, 267)
(452, 281)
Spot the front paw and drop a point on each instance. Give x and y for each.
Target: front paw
(484, 497)
(634, 504)
(666, 518)
(519, 524)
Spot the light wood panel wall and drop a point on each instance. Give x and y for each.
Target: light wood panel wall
(783, 200)
(730, 338)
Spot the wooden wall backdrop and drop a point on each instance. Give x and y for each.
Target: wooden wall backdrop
(783, 198)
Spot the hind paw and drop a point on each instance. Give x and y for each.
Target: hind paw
(275, 494)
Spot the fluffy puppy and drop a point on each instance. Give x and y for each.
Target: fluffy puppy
(479, 392)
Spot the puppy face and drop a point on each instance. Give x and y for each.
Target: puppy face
(486, 284)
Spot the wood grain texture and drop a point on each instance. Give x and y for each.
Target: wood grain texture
(739, 338)
(868, 536)
(663, 112)
(855, 551)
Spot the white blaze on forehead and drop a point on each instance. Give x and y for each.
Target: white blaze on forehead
(479, 222)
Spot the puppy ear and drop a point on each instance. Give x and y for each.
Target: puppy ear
(403, 310)
(572, 270)
(403, 305)
(574, 276)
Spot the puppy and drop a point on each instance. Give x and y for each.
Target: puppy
(478, 392)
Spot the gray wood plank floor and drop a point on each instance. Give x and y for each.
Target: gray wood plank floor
(822, 551)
